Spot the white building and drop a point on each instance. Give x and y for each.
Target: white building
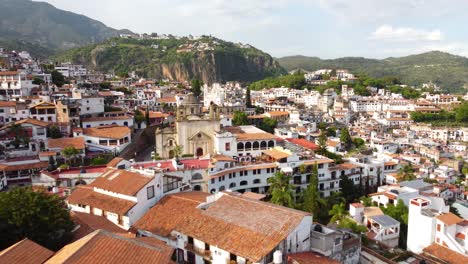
(121, 196)
(428, 225)
(227, 227)
(105, 138)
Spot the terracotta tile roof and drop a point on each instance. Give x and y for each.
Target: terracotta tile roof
(254, 196)
(30, 121)
(390, 163)
(8, 73)
(89, 223)
(121, 181)
(372, 211)
(310, 258)
(86, 196)
(244, 227)
(449, 219)
(347, 166)
(7, 104)
(113, 132)
(276, 154)
(304, 143)
(219, 157)
(25, 252)
(357, 205)
(106, 118)
(47, 153)
(255, 136)
(113, 163)
(332, 143)
(278, 113)
(27, 166)
(105, 247)
(61, 143)
(157, 115)
(318, 161)
(442, 253)
(167, 100)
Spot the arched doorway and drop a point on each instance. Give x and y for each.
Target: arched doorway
(199, 152)
(80, 182)
(171, 154)
(197, 188)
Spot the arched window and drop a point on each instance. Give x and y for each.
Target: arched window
(271, 144)
(226, 165)
(240, 146)
(199, 152)
(197, 176)
(232, 185)
(256, 145)
(263, 145)
(212, 191)
(256, 181)
(222, 188)
(80, 182)
(242, 183)
(197, 188)
(248, 146)
(126, 123)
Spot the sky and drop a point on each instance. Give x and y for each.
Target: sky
(322, 28)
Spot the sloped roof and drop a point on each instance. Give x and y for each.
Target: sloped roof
(113, 132)
(245, 227)
(105, 247)
(25, 252)
(86, 196)
(61, 143)
(121, 181)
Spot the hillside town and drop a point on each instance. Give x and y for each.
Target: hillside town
(343, 170)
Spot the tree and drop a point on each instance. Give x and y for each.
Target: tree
(379, 172)
(70, 153)
(268, 125)
(240, 119)
(57, 78)
(345, 137)
(177, 151)
(20, 135)
(366, 201)
(139, 117)
(311, 194)
(196, 87)
(39, 216)
(406, 173)
(98, 161)
(399, 213)
(54, 132)
(348, 189)
(248, 100)
(331, 131)
(322, 142)
(52, 166)
(37, 81)
(147, 116)
(351, 224)
(338, 213)
(281, 190)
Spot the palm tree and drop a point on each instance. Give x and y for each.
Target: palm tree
(281, 190)
(406, 173)
(338, 213)
(70, 153)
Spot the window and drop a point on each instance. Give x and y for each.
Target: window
(227, 146)
(150, 191)
(438, 227)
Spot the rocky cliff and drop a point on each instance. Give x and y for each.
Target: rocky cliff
(179, 59)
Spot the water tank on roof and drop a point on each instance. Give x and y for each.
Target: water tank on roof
(278, 257)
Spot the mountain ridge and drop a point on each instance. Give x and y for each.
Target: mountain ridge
(445, 69)
(40, 23)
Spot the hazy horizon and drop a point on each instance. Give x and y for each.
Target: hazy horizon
(317, 28)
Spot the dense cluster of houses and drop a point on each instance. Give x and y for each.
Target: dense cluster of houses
(200, 197)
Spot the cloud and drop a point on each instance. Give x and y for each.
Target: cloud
(405, 34)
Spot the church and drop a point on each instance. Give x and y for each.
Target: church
(193, 132)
